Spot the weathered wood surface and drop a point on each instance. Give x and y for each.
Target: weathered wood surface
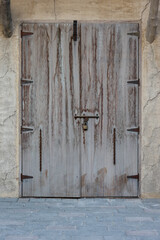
(152, 21)
(6, 18)
(49, 105)
(88, 77)
(64, 101)
(35, 66)
(109, 59)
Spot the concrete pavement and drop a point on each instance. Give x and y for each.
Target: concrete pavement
(79, 219)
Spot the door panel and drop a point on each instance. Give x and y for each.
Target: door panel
(109, 152)
(76, 78)
(64, 131)
(51, 152)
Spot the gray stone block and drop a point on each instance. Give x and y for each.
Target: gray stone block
(92, 237)
(139, 219)
(17, 237)
(144, 233)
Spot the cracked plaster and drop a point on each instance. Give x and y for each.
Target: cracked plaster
(9, 185)
(150, 115)
(51, 10)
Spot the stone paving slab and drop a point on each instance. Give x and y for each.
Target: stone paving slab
(79, 219)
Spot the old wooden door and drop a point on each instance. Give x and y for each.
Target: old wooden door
(80, 110)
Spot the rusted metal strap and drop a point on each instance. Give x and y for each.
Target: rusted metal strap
(136, 34)
(25, 177)
(134, 82)
(114, 146)
(26, 129)
(75, 30)
(76, 116)
(24, 34)
(134, 177)
(40, 150)
(26, 82)
(137, 130)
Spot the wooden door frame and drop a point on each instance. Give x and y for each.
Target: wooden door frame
(139, 92)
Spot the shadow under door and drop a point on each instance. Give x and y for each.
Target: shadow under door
(80, 109)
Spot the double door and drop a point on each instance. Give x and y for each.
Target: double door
(80, 110)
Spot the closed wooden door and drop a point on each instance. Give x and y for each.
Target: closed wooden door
(80, 110)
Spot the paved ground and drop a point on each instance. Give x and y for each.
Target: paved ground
(82, 219)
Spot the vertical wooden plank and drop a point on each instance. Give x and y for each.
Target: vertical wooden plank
(35, 145)
(95, 144)
(27, 120)
(65, 135)
(27, 46)
(132, 108)
(113, 69)
(41, 107)
(127, 111)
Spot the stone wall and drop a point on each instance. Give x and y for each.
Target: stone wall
(10, 62)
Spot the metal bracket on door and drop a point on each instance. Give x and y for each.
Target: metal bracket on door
(134, 82)
(26, 129)
(75, 30)
(136, 34)
(86, 117)
(24, 34)
(25, 177)
(134, 177)
(26, 82)
(114, 146)
(137, 130)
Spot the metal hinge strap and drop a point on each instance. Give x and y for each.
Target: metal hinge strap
(75, 30)
(137, 130)
(134, 82)
(24, 34)
(26, 82)
(86, 117)
(136, 34)
(40, 150)
(134, 177)
(25, 177)
(26, 129)
(114, 146)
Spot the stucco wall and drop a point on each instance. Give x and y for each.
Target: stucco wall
(9, 77)
(51, 10)
(150, 107)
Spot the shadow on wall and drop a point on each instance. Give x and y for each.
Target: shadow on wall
(0, 12)
(6, 18)
(158, 24)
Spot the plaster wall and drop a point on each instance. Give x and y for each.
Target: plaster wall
(10, 62)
